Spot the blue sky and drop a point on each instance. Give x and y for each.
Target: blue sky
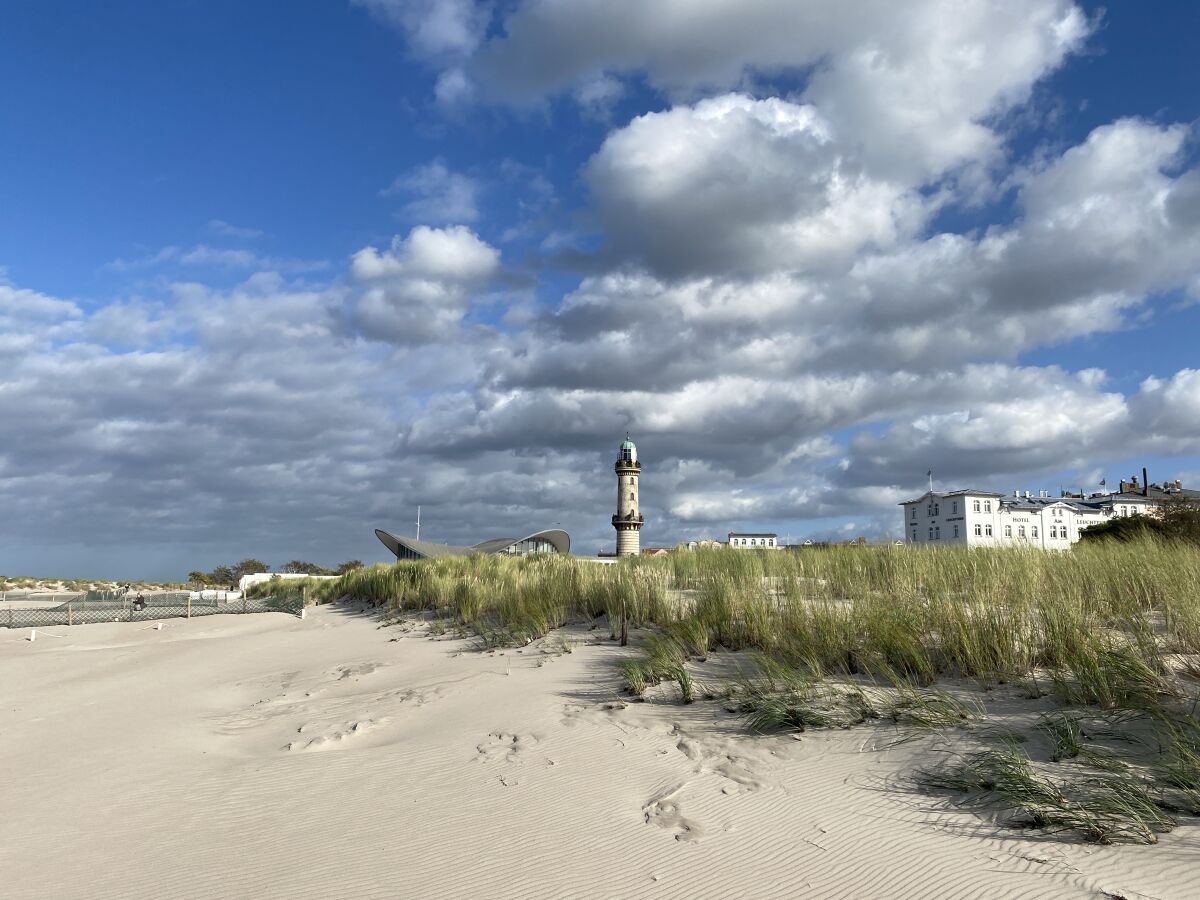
(272, 276)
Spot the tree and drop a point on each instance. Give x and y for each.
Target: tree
(221, 575)
(197, 577)
(300, 567)
(1177, 520)
(248, 567)
(349, 566)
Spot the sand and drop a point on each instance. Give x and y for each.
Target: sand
(268, 756)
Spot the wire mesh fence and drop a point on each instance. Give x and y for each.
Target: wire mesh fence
(84, 609)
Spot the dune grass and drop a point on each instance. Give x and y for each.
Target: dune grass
(1111, 628)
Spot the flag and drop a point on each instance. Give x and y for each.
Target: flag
(1103, 482)
(929, 474)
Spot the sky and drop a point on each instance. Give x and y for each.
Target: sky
(273, 275)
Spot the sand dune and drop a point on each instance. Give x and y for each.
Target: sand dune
(270, 756)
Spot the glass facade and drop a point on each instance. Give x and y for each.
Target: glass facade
(527, 547)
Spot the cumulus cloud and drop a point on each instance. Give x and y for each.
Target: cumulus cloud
(436, 29)
(441, 196)
(927, 73)
(737, 185)
(419, 289)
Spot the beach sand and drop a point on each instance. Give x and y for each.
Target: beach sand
(269, 756)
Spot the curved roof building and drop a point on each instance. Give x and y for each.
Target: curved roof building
(553, 541)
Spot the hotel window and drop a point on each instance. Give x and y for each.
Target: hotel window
(987, 530)
(956, 531)
(937, 533)
(770, 542)
(1053, 531)
(914, 514)
(931, 534)
(978, 531)
(976, 506)
(1033, 531)
(936, 510)
(987, 505)
(914, 536)
(1008, 531)
(954, 508)
(1020, 531)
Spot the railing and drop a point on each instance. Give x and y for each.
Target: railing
(79, 611)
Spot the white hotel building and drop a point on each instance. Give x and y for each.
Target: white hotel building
(985, 519)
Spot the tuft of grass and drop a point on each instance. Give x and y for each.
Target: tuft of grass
(634, 674)
(1102, 809)
(931, 709)
(686, 685)
(1065, 734)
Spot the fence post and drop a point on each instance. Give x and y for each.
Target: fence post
(243, 601)
(189, 606)
(70, 617)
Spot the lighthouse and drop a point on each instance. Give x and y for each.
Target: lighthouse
(628, 520)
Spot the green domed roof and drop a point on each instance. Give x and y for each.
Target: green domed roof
(627, 444)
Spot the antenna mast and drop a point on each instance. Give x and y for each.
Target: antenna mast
(418, 523)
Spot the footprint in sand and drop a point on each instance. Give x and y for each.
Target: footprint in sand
(334, 739)
(355, 671)
(740, 770)
(664, 811)
(502, 745)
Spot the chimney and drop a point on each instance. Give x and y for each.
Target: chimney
(1145, 483)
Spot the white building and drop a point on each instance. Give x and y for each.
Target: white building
(751, 540)
(986, 519)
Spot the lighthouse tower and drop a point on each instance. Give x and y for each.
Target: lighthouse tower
(628, 520)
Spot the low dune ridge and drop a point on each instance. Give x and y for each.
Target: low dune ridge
(278, 757)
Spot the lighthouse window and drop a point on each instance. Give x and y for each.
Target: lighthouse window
(631, 495)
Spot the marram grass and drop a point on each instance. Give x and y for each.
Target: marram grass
(1113, 628)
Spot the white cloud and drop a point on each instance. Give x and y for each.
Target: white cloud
(913, 84)
(442, 196)
(420, 288)
(223, 228)
(434, 28)
(204, 255)
(737, 185)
